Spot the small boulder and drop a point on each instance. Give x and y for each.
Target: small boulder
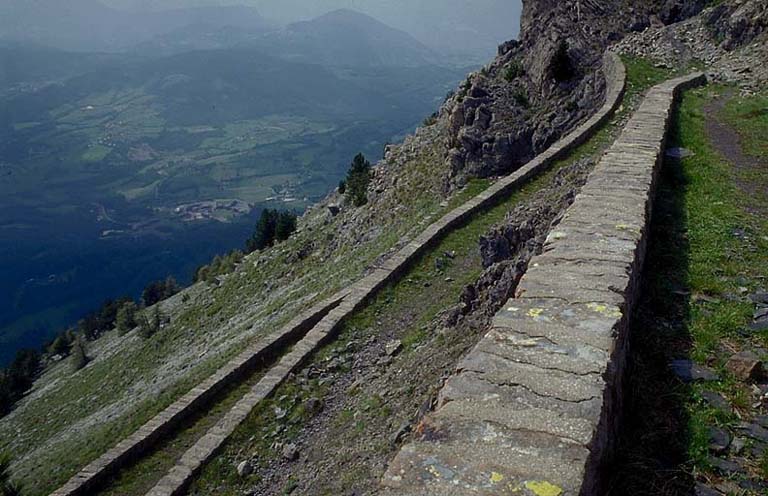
(753, 486)
(754, 431)
(745, 366)
(400, 434)
(760, 298)
(688, 371)
(393, 347)
(244, 468)
(313, 406)
(738, 445)
(678, 153)
(719, 440)
(716, 400)
(280, 413)
(762, 421)
(291, 452)
(759, 325)
(725, 466)
(702, 490)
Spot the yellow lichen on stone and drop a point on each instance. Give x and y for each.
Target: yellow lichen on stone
(543, 488)
(626, 227)
(496, 477)
(605, 310)
(432, 470)
(535, 313)
(597, 308)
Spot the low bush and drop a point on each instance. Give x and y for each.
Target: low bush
(513, 70)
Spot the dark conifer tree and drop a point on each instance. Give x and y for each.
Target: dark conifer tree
(358, 179)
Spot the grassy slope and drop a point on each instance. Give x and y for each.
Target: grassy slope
(723, 264)
(121, 390)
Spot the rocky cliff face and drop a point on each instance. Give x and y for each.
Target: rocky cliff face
(738, 22)
(542, 86)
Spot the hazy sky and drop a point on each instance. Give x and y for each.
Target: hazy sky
(462, 29)
(435, 22)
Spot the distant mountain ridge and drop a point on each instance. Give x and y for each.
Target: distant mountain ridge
(342, 39)
(467, 29)
(348, 38)
(469, 32)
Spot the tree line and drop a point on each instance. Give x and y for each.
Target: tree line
(125, 314)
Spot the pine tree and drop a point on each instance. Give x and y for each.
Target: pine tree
(126, 318)
(285, 226)
(6, 393)
(149, 325)
(264, 235)
(358, 179)
(60, 345)
(158, 291)
(79, 357)
(171, 287)
(153, 293)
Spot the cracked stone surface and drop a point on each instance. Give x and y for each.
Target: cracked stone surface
(532, 407)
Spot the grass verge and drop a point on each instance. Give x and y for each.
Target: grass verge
(708, 250)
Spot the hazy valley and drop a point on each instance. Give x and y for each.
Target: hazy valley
(118, 169)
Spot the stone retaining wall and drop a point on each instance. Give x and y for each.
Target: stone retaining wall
(327, 316)
(98, 471)
(534, 407)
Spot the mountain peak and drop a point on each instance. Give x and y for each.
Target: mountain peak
(346, 37)
(346, 15)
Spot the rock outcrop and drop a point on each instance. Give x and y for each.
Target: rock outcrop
(731, 39)
(542, 86)
(738, 22)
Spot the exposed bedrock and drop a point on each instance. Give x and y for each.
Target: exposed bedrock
(544, 84)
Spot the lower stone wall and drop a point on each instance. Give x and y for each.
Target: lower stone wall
(535, 406)
(99, 470)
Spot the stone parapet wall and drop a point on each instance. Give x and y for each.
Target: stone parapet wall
(535, 406)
